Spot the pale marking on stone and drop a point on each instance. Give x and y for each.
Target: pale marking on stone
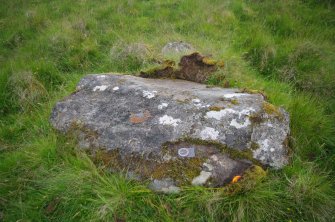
(163, 105)
(219, 114)
(214, 158)
(202, 178)
(100, 88)
(101, 76)
(196, 103)
(272, 150)
(168, 120)
(171, 189)
(167, 157)
(149, 94)
(209, 133)
(231, 95)
(116, 88)
(237, 125)
(265, 145)
(209, 166)
(246, 111)
(269, 125)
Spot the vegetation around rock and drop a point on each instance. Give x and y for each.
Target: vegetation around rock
(282, 48)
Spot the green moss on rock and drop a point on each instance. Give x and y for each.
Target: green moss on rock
(180, 170)
(272, 110)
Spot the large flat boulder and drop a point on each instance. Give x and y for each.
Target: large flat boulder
(173, 132)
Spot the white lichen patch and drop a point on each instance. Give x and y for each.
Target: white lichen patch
(101, 76)
(232, 95)
(100, 88)
(169, 120)
(268, 124)
(209, 133)
(218, 114)
(264, 144)
(217, 161)
(197, 103)
(265, 152)
(167, 157)
(163, 105)
(202, 178)
(196, 100)
(149, 94)
(116, 88)
(237, 125)
(246, 112)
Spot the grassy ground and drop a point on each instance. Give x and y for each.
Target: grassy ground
(285, 48)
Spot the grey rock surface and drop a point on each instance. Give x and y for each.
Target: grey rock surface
(180, 47)
(149, 121)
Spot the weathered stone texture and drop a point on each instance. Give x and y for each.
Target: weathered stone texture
(149, 120)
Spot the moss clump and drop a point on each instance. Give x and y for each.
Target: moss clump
(212, 62)
(234, 102)
(272, 110)
(253, 176)
(250, 178)
(216, 108)
(180, 170)
(107, 159)
(220, 63)
(256, 118)
(170, 63)
(194, 67)
(209, 61)
(254, 91)
(233, 153)
(78, 129)
(254, 145)
(165, 71)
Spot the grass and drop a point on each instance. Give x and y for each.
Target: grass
(285, 48)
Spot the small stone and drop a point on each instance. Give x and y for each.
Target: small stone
(165, 186)
(202, 178)
(177, 48)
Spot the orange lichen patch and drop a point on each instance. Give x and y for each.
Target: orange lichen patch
(236, 179)
(139, 117)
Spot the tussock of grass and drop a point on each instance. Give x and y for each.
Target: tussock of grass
(46, 47)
